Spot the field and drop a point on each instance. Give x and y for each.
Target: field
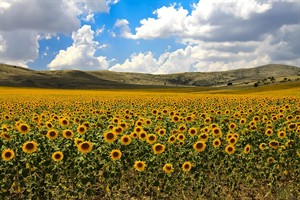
(181, 143)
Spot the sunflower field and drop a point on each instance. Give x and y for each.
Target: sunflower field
(141, 145)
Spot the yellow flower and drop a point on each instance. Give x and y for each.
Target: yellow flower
(139, 165)
(29, 147)
(125, 140)
(216, 142)
(115, 154)
(168, 168)
(23, 128)
(247, 149)
(68, 134)
(81, 129)
(158, 148)
(110, 136)
(57, 156)
(8, 154)
(85, 147)
(151, 138)
(52, 134)
(199, 146)
(230, 149)
(186, 166)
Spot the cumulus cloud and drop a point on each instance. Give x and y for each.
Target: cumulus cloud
(81, 55)
(219, 35)
(24, 23)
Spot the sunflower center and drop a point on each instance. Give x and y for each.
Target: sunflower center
(143, 135)
(168, 168)
(52, 133)
(125, 139)
(140, 165)
(68, 133)
(230, 149)
(216, 143)
(216, 131)
(115, 154)
(110, 136)
(29, 146)
(24, 128)
(81, 129)
(199, 145)
(151, 138)
(85, 146)
(193, 131)
(64, 122)
(172, 139)
(8, 154)
(57, 156)
(186, 166)
(158, 148)
(203, 136)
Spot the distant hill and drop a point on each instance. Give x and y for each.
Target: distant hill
(262, 75)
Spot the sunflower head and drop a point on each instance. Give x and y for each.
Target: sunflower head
(199, 146)
(143, 135)
(52, 134)
(217, 142)
(151, 138)
(281, 134)
(158, 148)
(269, 132)
(180, 137)
(110, 136)
(262, 146)
(230, 149)
(274, 144)
(247, 149)
(57, 156)
(134, 134)
(81, 129)
(172, 139)
(216, 132)
(193, 131)
(161, 132)
(29, 147)
(125, 140)
(168, 168)
(23, 128)
(203, 137)
(139, 165)
(186, 166)
(8, 154)
(85, 147)
(115, 154)
(68, 134)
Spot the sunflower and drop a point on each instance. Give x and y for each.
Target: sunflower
(134, 134)
(274, 144)
(217, 142)
(256, 118)
(151, 138)
(143, 135)
(269, 132)
(125, 140)
(232, 141)
(29, 147)
(139, 165)
(6, 136)
(182, 128)
(115, 154)
(292, 126)
(158, 148)
(118, 130)
(23, 128)
(175, 119)
(52, 134)
(168, 168)
(63, 122)
(138, 129)
(68, 134)
(49, 125)
(161, 132)
(180, 137)
(281, 134)
(217, 132)
(192, 131)
(230, 149)
(203, 137)
(228, 136)
(262, 146)
(199, 146)
(247, 149)
(77, 141)
(57, 156)
(243, 121)
(85, 147)
(186, 166)
(207, 120)
(148, 122)
(172, 139)
(232, 126)
(8, 154)
(110, 136)
(271, 160)
(81, 129)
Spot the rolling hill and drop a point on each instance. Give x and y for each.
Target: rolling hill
(262, 75)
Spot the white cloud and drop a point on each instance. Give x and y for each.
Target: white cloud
(29, 21)
(81, 54)
(219, 35)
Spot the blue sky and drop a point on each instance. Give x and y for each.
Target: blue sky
(149, 36)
